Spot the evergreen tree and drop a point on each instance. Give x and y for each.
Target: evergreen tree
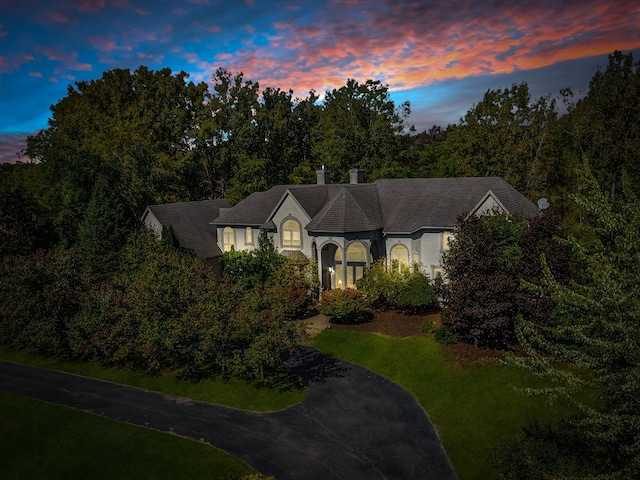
(596, 330)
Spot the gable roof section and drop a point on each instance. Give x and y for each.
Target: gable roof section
(352, 208)
(400, 206)
(253, 211)
(191, 224)
(414, 203)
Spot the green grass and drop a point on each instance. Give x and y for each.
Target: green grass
(42, 440)
(474, 408)
(232, 392)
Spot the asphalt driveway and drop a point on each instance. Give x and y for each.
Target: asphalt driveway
(353, 424)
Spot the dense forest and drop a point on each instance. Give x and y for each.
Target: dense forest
(77, 281)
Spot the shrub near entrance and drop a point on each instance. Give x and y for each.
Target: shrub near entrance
(343, 306)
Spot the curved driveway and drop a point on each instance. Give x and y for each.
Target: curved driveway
(353, 424)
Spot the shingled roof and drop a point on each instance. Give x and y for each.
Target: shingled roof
(414, 203)
(394, 205)
(191, 224)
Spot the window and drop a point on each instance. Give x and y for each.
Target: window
(446, 238)
(400, 254)
(228, 239)
(291, 234)
(416, 257)
(248, 236)
(337, 260)
(356, 261)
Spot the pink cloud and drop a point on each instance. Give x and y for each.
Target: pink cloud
(10, 145)
(61, 17)
(69, 60)
(214, 29)
(91, 6)
(35, 74)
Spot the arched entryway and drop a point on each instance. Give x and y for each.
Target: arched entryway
(328, 262)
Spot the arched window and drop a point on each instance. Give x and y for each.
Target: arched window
(228, 239)
(356, 261)
(399, 254)
(291, 233)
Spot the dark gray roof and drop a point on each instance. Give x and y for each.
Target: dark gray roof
(396, 206)
(350, 208)
(414, 203)
(191, 224)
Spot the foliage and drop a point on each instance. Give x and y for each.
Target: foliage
(397, 286)
(596, 330)
(507, 134)
(428, 326)
(106, 225)
(18, 221)
(162, 310)
(40, 294)
(359, 126)
(488, 258)
(343, 306)
(604, 126)
(445, 336)
(540, 452)
(255, 266)
(135, 125)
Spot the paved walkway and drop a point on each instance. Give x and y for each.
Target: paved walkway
(353, 424)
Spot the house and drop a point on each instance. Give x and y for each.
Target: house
(345, 227)
(190, 222)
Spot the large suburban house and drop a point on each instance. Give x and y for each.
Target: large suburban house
(190, 222)
(345, 227)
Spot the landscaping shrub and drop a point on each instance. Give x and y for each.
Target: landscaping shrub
(428, 326)
(397, 286)
(343, 306)
(445, 335)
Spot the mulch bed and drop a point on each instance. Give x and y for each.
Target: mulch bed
(400, 325)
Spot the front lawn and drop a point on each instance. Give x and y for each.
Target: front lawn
(472, 404)
(42, 440)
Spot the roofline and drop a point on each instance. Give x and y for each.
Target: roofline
(424, 227)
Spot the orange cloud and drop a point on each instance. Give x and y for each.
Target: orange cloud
(413, 45)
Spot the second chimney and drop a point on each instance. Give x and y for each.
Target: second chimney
(356, 175)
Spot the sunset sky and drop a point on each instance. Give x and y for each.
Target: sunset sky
(440, 55)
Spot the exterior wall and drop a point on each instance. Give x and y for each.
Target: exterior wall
(432, 248)
(151, 223)
(290, 209)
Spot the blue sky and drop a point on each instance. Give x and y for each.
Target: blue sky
(441, 56)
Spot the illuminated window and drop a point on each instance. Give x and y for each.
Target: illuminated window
(248, 236)
(436, 271)
(291, 234)
(446, 238)
(400, 255)
(356, 261)
(228, 239)
(416, 257)
(337, 260)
